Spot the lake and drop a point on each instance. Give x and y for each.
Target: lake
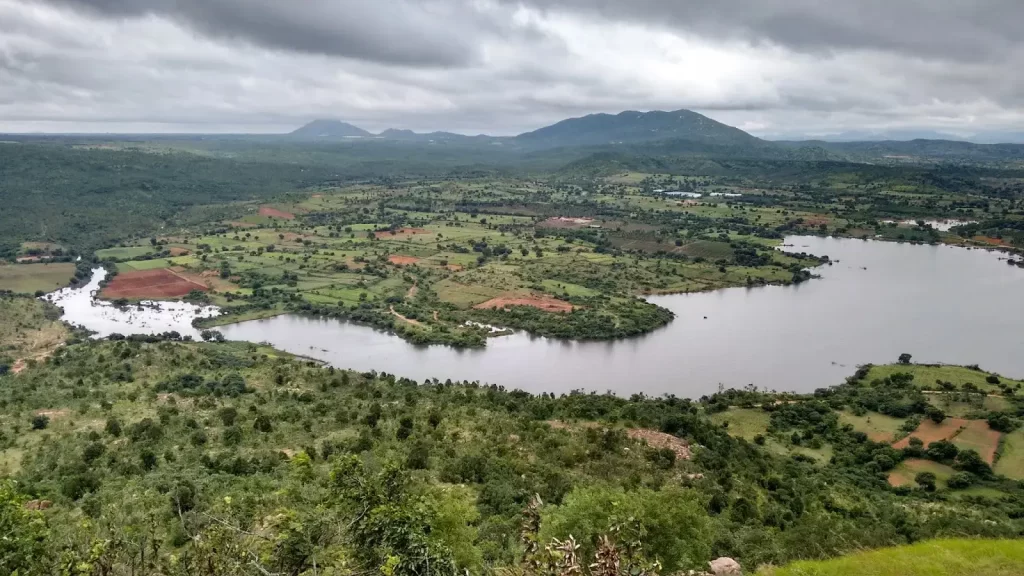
(939, 303)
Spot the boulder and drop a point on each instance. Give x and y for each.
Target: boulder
(38, 505)
(725, 567)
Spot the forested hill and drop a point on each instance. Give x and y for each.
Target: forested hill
(86, 197)
(327, 130)
(632, 127)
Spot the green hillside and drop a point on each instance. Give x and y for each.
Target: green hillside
(934, 558)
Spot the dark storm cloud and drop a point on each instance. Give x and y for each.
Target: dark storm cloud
(389, 31)
(953, 29)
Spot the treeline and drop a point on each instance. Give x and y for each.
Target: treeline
(88, 198)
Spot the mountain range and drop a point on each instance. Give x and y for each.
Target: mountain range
(628, 127)
(680, 133)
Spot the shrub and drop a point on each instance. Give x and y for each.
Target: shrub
(676, 526)
(935, 414)
(971, 461)
(960, 480)
(40, 422)
(926, 480)
(942, 450)
(262, 424)
(113, 427)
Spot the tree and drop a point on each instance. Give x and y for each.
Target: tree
(960, 480)
(942, 450)
(971, 461)
(228, 415)
(24, 546)
(262, 424)
(113, 427)
(926, 480)
(905, 358)
(40, 422)
(1001, 422)
(935, 414)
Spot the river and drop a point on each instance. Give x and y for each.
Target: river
(878, 300)
(81, 308)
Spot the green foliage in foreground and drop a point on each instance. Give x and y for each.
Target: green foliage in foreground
(187, 458)
(933, 558)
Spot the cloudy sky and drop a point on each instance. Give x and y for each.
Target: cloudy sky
(772, 67)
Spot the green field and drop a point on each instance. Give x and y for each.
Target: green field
(1011, 459)
(907, 470)
(31, 278)
(926, 376)
(933, 558)
(29, 329)
(743, 422)
(359, 251)
(878, 427)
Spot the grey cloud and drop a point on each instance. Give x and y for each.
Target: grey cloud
(505, 66)
(952, 29)
(402, 32)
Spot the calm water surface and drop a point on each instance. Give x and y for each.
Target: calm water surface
(939, 303)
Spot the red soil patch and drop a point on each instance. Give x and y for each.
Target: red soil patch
(990, 240)
(400, 232)
(318, 195)
(815, 221)
(454, 267)
(563, 222)
(176, 251)
(402, 260)
(661, 440)
(242, 224)
(979, 436)
(929, 432)
(275, 213)
(160, 283)
(24, 259)
(545, 303)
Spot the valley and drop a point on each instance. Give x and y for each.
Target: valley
(339, 352)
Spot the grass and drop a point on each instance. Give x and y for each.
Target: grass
(125, 252)
(1011, 460)
(926, 376)
(743, 422)
(903, 475)
(31, 278)
(977, 405)
(932, 558)
(29, 329)
(979, 437)
(878, 427)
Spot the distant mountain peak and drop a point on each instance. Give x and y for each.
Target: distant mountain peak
(328, 130)
(631, 126)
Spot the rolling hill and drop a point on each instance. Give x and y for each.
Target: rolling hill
(329, 130)
(636, 127)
